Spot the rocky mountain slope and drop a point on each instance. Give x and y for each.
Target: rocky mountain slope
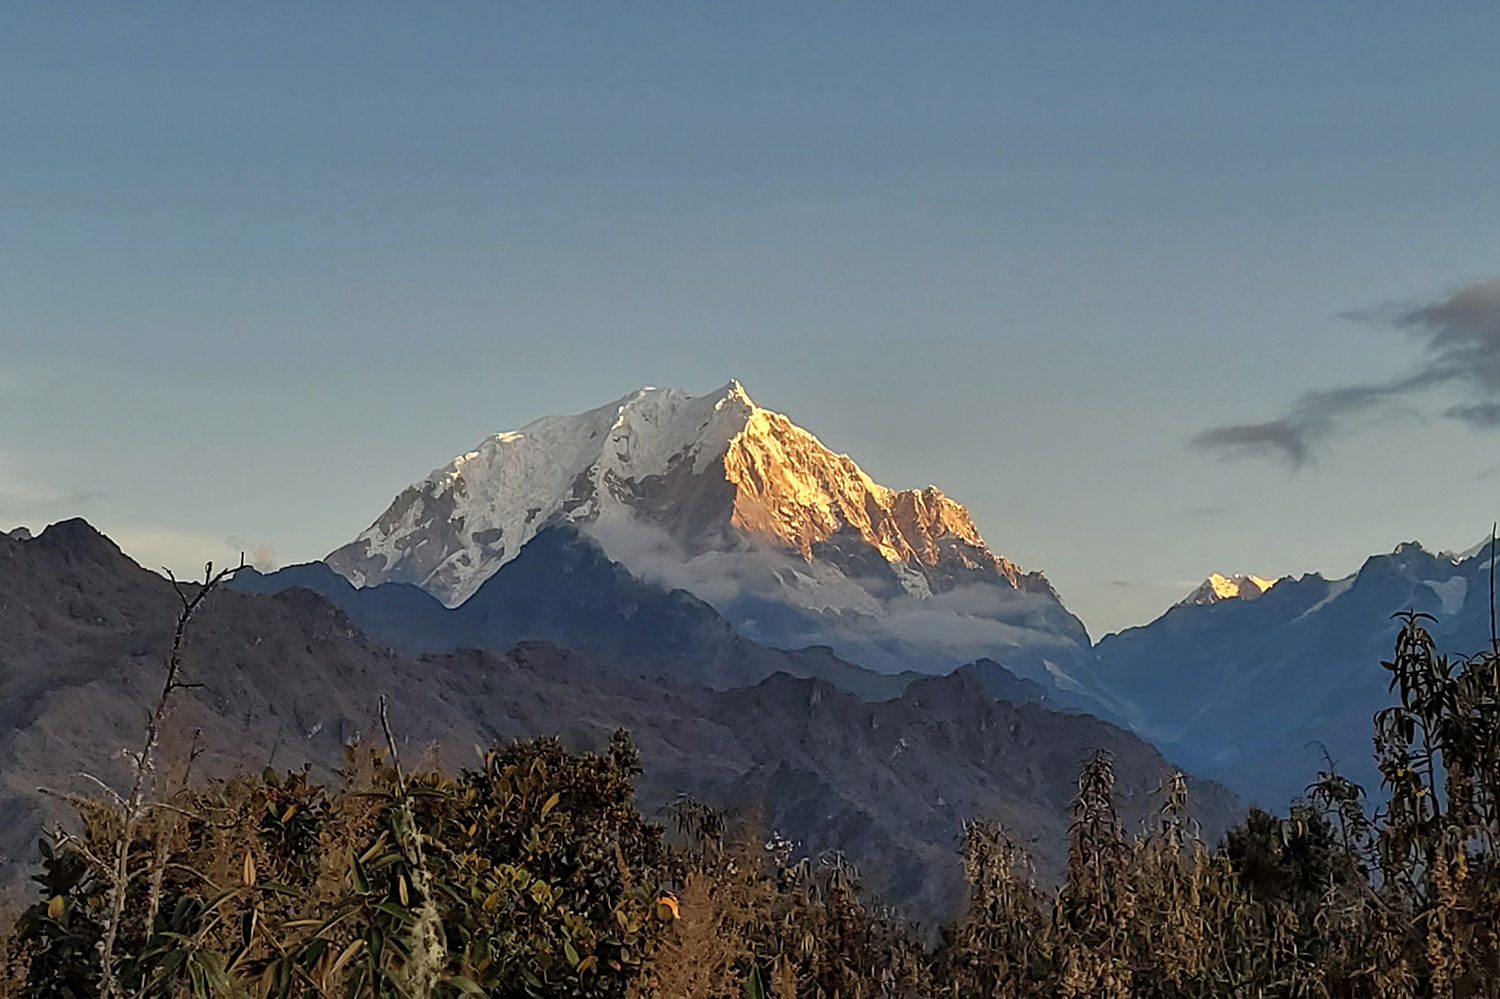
(1251, 691)
(792, 543)
(288, 678)
(562, 589)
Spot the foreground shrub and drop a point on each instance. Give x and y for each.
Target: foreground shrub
(535, 875)
(532, 875)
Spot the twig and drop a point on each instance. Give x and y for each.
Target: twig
(76, 800)
(144, 761)
(427, 933)
(158, 872)
(390, 741)
(107, 789)
(184, 868)
(64, 838)
(165, 806)
(1494, 635)
(194, 751)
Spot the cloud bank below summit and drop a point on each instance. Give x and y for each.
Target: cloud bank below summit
(776, 597)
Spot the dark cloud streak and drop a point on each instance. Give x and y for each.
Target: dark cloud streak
(1460, 336)
(1286, 438)
(1484, 414)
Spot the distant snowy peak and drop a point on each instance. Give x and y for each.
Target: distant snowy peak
(1483, 548)
(1236, 587)
(713, 472)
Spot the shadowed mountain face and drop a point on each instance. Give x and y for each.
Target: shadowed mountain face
(564, 590)
(1251, 692)
(288, 678)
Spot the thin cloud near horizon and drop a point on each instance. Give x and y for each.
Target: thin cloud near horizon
(1460, 339)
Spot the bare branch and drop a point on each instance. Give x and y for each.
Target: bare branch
(1494, 635)
(76, 800)
(390, 741)
(134, 807)
(107, 789)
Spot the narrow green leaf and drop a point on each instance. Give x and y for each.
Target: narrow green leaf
(755, 988)
(200, 988)
(401, 914)
(358, 876)
(467, 985)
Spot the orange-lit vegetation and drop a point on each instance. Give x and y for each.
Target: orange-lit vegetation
(535, 875)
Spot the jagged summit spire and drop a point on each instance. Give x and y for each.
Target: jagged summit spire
(735, 390)
(1239, 586)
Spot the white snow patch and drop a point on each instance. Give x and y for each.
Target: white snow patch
(1480, 549)
(1061, 677)
(1220, 587)
(1451, 593)
(1336, 589)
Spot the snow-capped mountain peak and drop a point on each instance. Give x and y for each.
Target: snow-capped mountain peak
(714, 472)
(1218, 587)
(451, 531)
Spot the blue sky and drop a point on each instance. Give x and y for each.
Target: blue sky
(262, 265)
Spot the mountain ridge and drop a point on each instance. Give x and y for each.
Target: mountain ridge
(1247, 691)
(1237, 586)
(288, 678)
(563, 589)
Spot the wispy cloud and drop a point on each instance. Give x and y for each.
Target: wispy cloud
(36, 496)
(185, 552)
(778, 598)
(25, 494)
(1460, 340)
(27, 498)
(1175, 585)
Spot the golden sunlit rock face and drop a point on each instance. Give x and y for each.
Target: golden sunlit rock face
(1220, 587)
(1240, 586)
(792, 489)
